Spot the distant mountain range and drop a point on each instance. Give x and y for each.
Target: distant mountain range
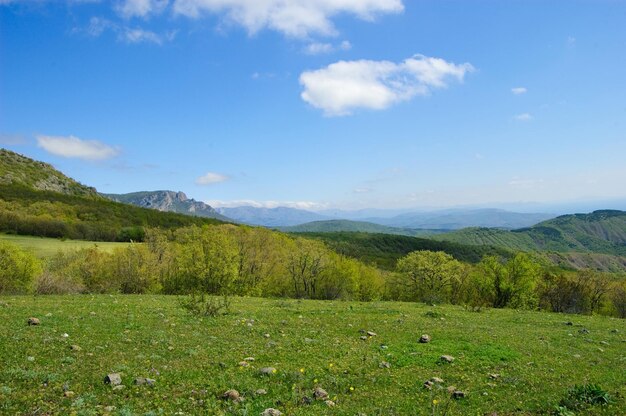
(333, 226)
(168, 201)
(451, 219)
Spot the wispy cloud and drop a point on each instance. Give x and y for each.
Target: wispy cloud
(132, 35)
(523, 117)
(519, 90)
(73, 147)
(140, 8)
(210, 178)
(319, 48)
(295, 18)
(308, 205)
(345, 86)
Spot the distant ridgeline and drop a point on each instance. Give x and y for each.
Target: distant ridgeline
(36, 199)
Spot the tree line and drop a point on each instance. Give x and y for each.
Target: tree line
(246, 261)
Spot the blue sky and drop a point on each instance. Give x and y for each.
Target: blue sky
(322, 104)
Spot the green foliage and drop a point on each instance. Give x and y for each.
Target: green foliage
(579, 292)
(205, 305)
(581, 397)
(428, 276)
(18, 268)
(334, 226)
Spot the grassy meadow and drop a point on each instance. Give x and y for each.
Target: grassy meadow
(507, 362)
(46, 247)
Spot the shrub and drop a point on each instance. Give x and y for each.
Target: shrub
(51, 284)
(17, 269)
(205, 305)
(580, 397)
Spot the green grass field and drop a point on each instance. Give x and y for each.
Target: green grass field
(310, 344)
(46, 247)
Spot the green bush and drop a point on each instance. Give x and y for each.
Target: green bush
(17, 269)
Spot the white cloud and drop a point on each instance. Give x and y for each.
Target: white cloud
(523, 117)
(73, 147)
(318, 48)
(345, 86)
(140, 35)
(140, 8)
(297, 18)
(211, 178)
(308, 205)
(519, 90)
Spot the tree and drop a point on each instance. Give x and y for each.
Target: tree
(305, 264)
(17, 269)
(428, 275)
(513, 283)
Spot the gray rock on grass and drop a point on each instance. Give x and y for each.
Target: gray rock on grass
(114, 379)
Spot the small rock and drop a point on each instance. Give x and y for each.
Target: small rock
(307, 400)
(48, 315)
(576, 355)
(604, 343)
(249, 359)
(140, 381)
(118, 388)
(451, 389)
(569, 323)
(428, 384)
(384, 364)
(68, 393)
(329, 403)
(320, 394)
(110, 409)
(271, 412)
(232, 395)
(267, 371)
(260, 392)
(446, 358)
(30, 358)
(437, 380)
(244, 364)
(33, 321)
(494, 376)
(458, 394)
(66, 335)
(266, 335)
(583, 331)
(383, 347)
(113, 379)
(92, 313)
(363, 338)
(371, 333)
(614, 331)
(75, 348)
(425, 339)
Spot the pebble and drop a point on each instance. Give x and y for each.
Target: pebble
(458, 394)
(68, 393)
(113, 379)
(140, 381)
(371, 333)
(267, 371)
(75, 348)
(271, 412)
(329, 403)
(384, 364)
(118, 388)
(447, 358)
(244, 364)
(232, 395)
(425, 339)
(320, 394)
(260, 392)
(437, 380)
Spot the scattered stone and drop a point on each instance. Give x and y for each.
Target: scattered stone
(437, 380)
(30, 358)
(48, 315)
(384, 364)
(583, 331)
(92, 313)
(604, 343)
(113, 379)
(75, 348)
(283, 322)
(110, 409)
(383, 347)
(320, 394)
(140, 381)
(244, 364)
(371, 333)
(576, 355)
(232, 395)
(446, 358)
(494, 376)
(271, 344)
(33, 321)
(428, 384)
(569, 323)
(68, 393)
(249, 359)
(271, 412)
(362, 331)
(307, 400)
(451, 389)
(118, 388)
(614, 331)
(267, 371)
(458, 394)
(329, 403)
(66, 335)
(425, 339)
(266, 335)
(260, 392)
(363, 338)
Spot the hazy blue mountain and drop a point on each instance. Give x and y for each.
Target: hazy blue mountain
(332, 226)
(168, 201)
(271, 217)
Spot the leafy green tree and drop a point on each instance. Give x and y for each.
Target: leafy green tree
(17, 269)
(511, 283)
(306, 262)
(428, 276)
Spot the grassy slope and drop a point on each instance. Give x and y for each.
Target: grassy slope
(332, 226)
(195, 360)
(46, 247)
(385, 249)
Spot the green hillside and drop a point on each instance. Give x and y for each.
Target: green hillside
(333, 226)
(384, 250)
(598, 232)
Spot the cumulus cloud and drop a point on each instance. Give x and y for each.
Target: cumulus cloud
(73, 147)
(523, 117)
(210, 178)
(519, 90)
(297, 18)
(140, 8)
(318, 48)
(345, 86)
